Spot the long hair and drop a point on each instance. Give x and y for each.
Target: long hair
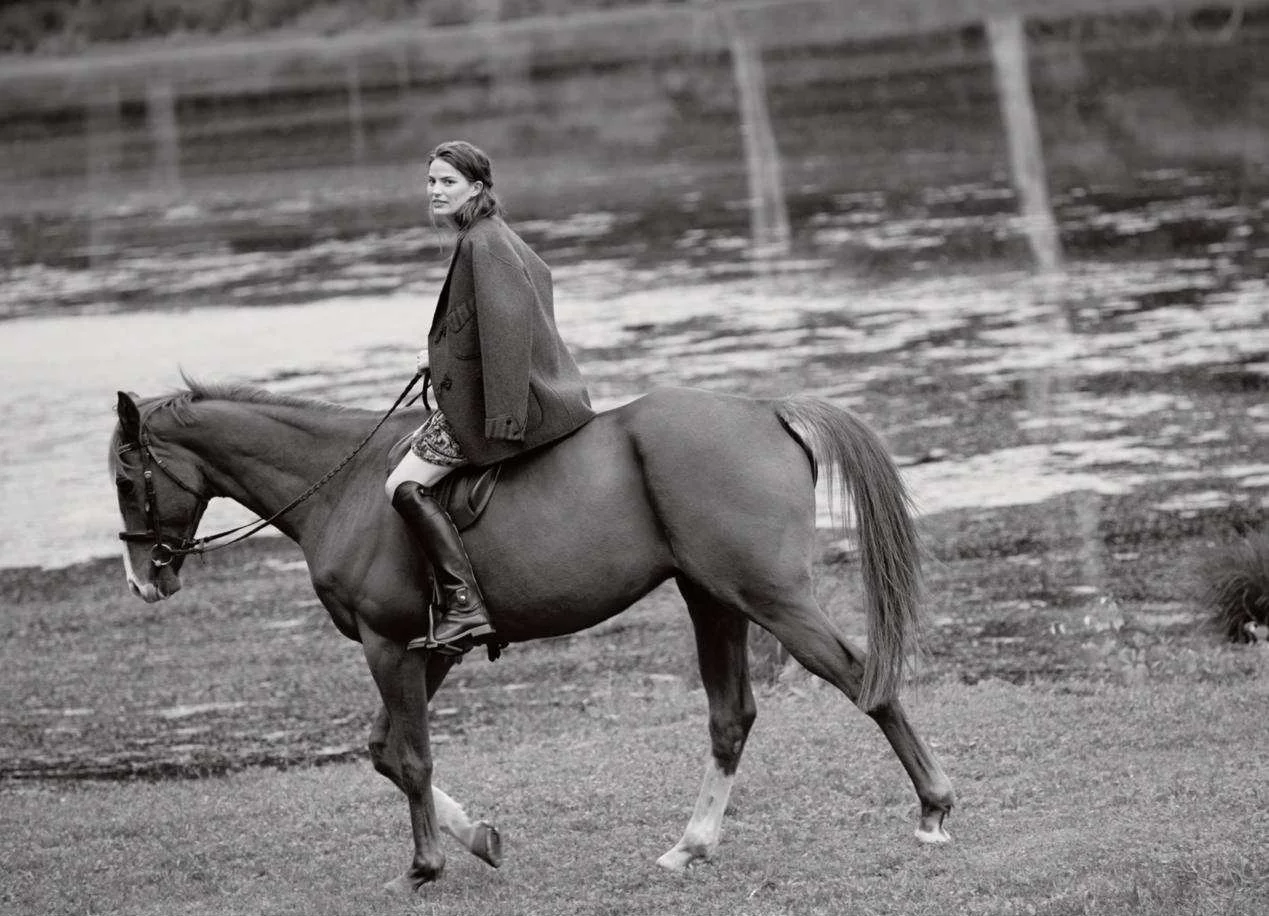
(474, 165)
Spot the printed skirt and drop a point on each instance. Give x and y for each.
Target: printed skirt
(434, 442)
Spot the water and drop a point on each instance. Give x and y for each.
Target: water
(871, 312)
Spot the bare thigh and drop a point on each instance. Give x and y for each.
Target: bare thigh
(413, 468)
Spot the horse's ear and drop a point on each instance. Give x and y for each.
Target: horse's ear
(129, 417)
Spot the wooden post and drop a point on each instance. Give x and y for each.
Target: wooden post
(160, 110)
(104, 141)
(768, 212)
(1048, 386)
(1008, 42)
(356, 117)
(509, 61)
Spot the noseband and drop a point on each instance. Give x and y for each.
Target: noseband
(163, 551)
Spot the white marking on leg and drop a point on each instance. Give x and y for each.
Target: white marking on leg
(700, 838)
(452, 818)
(480, 839)
(933, 837)
(930, 830)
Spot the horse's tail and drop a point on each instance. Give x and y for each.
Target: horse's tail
(858, 470)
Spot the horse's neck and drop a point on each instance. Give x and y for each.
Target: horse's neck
(264, 456)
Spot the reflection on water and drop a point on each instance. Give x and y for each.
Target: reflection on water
(1210, 228)
(1111, 381)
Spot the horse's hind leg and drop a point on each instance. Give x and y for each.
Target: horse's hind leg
(933, 787)
(721, 647)
(479, 837)
(806, 631)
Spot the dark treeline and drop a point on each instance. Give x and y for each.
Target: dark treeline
(66, 26)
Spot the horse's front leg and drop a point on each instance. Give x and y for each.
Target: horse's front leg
(401, 677)
(479, 837)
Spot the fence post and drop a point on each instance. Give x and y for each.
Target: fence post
(1008, 41)
(160, 112)
(356, 116)
(768, 212)
(104, 141)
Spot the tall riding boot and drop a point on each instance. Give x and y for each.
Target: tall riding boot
(463, 612)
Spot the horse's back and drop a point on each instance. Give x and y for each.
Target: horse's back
(728, 445)
(683, 436)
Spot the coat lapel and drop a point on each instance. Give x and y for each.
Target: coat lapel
(443, 299)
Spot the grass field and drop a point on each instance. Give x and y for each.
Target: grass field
(1109, 756)
(1072, 800)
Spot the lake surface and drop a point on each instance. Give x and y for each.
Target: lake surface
(1104, 379)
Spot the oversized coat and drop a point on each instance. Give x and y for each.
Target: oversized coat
(500, 371)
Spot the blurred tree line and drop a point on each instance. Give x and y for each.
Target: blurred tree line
(65, 26)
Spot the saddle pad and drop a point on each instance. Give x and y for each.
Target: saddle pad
(464, 492)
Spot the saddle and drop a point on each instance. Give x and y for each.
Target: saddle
(464, 492)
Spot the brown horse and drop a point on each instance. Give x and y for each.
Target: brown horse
(715, 491)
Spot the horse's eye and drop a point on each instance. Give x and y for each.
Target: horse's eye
(125, 484)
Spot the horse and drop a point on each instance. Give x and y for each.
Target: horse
(715, 491)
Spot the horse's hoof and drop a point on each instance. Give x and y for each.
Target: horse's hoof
(932, 833)
(488, 844)
(680, 859)
(674, 860)
(930, 827)
(400, 887)
(406, 885)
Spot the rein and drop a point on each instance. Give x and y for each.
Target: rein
(164, 552)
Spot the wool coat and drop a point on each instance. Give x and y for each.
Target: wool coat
(501, 373)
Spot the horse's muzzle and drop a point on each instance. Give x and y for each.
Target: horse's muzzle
(160, 582)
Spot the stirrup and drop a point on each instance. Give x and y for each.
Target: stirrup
(469, 638)
(493, 646)
(460, 645)
(427, 641)
(456, 647)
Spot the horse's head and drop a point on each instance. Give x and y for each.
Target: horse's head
(160, 500)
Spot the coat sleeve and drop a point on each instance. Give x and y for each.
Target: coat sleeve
(505, 305)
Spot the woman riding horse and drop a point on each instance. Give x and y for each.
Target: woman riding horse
(503, 378)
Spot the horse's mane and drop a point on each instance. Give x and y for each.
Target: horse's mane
(197, 391)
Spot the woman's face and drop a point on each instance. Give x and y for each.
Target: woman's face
(447, 189)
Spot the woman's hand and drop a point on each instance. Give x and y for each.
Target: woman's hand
(420, 361)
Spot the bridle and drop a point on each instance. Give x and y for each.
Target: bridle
(165, 550)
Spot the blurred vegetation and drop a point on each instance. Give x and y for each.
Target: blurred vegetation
(65, 26)
(1236, 580)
